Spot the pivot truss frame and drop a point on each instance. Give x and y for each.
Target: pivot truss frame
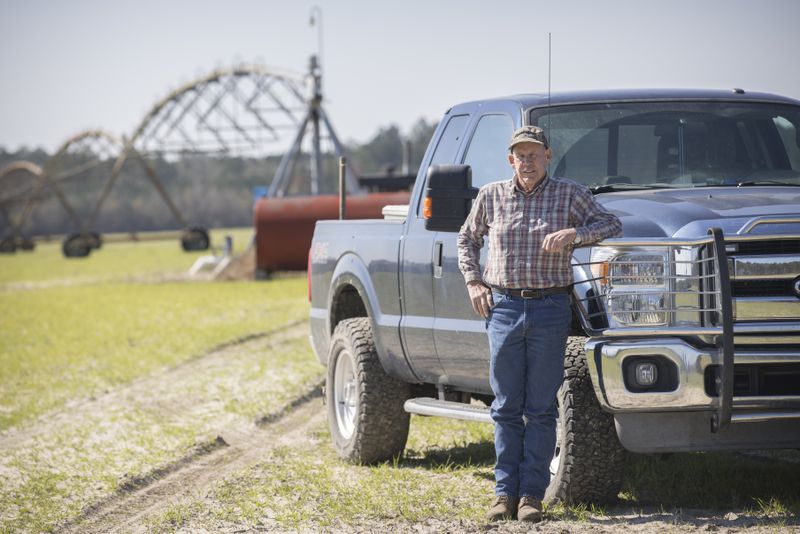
(239, 111)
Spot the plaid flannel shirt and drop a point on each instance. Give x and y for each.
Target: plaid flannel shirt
(517, 225)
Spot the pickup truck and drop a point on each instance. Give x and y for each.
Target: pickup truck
(685, 331)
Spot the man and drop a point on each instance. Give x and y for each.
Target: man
(533, 222)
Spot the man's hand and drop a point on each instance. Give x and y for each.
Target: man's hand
(481, 298)
(559, 240)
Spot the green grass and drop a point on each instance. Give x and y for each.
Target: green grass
(446, 475)
(716, 480)
(72, 331)
(121, 441)
(306, 487)
(82, 328)
(114, 261)
(65, 342)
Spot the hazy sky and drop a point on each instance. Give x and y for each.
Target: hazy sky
(66, 66)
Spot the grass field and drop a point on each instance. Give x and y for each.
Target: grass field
(117, 366)
(75, 327)
(73, 332)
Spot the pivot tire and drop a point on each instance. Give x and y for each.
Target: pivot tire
(8, 245)
(27, 244)
(365, 406)
(589, 459)
(194, 239)
(76, 246)
(93, 239)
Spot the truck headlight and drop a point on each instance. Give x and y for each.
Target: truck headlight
(634, 285)
(638, 270)
(640, 309)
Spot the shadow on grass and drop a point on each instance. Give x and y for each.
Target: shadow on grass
(768, 483)
(477, 454)
(725, 489)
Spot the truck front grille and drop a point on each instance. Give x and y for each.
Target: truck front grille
(764, 274)
(758, 380)
(762, 288)
(773, 246)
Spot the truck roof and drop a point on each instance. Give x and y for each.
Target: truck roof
(532, 100)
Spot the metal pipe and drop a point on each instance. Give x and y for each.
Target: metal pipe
(340, 150)
(756, 417)
(406, 168)
(722, 418)
(342, 187)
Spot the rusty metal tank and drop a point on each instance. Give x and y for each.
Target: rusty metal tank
(284, 225)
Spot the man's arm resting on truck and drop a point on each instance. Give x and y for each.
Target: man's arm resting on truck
(592, 221)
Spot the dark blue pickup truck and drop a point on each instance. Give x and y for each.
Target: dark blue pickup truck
(686, 330)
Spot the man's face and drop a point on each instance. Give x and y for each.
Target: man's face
(529, 161)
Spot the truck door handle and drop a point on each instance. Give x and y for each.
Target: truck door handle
(438, 253)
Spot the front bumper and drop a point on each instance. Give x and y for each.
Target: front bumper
(680, 419)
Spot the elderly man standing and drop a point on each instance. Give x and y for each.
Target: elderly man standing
(533, 222)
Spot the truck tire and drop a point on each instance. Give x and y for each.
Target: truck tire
(365, 406)
(589, 460)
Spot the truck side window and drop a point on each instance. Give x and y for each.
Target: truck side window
(450, 140)
(791, 140)
(488, 148)
(447, 147)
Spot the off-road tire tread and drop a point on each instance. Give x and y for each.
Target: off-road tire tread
(381, 430)
(592, 458)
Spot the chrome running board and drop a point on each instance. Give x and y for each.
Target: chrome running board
(449, 409)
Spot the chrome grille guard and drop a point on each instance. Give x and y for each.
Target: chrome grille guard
(689, 292)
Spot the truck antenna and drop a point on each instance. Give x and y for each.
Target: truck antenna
(549, 77)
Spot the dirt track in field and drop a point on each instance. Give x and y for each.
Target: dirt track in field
(240, 445)
(236, 449)
(154, 389)
(233, 443)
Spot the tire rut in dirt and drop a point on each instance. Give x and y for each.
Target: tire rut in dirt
(232, 451)
(43, 424)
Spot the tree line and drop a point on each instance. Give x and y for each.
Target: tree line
(209, 191)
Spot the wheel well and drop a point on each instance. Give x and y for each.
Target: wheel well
(346, 305)
(576, 329)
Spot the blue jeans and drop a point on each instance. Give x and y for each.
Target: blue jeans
(527, 340)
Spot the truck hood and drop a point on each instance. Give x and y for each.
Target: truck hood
(689, 213)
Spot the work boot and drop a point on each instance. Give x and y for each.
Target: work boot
(504, 507)
(530, 509)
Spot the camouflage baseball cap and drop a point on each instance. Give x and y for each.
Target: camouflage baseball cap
(529, 134)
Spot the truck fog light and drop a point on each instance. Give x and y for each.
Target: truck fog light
(645, 374)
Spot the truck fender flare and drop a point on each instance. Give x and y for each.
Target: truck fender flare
(582, 288)
(351, 271)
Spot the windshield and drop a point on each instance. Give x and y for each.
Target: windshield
(674, 144)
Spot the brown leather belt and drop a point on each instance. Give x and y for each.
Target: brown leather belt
(533, 293)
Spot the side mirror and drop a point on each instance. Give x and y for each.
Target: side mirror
(448, 197)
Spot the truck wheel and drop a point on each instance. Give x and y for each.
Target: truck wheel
(589, 459)
(365, 406)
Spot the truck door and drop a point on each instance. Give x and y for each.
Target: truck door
(459, 333)
(416, 324)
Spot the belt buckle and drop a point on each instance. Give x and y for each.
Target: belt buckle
(529, 293)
